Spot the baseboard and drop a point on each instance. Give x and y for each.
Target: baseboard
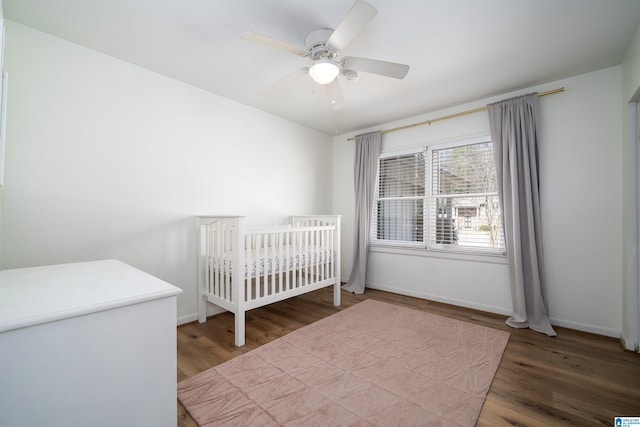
(211, 310)
(505, 311)
(615, 333)
(437, 298)
(187, 319)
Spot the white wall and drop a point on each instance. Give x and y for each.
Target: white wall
(580, 158)
(108, 160)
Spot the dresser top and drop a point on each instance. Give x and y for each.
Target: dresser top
(30, 296)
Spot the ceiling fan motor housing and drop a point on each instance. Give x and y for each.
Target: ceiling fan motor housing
(316, 43)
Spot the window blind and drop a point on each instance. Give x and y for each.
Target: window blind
(400, 202)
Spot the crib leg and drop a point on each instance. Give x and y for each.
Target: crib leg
(239, 317)
(336, 293)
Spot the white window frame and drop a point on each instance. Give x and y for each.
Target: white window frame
(428, 244)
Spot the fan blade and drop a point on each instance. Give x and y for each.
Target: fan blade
(335, 95)
(383, 68)
(352, 24)
(286, 80)
(250, 36)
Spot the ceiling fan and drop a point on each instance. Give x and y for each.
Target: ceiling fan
(323, 48)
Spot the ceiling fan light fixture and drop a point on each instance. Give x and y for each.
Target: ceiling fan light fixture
(324, 71)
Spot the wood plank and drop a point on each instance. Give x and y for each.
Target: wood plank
(575, 378)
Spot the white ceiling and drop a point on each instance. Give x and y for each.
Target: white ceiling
(458, 50)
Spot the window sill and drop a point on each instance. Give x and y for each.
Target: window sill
(440, 253)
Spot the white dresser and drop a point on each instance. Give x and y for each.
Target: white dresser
(87, 344)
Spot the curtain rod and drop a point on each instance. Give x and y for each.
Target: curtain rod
(450, 116)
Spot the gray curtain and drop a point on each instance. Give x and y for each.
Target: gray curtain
(366, 169)
(515, 138)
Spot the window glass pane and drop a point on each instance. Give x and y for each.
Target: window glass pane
(468, 222)
(400, 220)
(465, 206)
(465, 169)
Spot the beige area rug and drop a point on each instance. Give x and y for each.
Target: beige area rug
(372, 364)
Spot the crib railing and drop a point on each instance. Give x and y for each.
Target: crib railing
(286, 259)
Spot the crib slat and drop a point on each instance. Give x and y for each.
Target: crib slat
(316, 255)
(329, 254)
(253, 272)
(253, 268)
(207, 253)
(247, 267)
(265, 267)
(218, 234)
(220, 289)
(258, 264)
(227, 256)
(312, 260)
(325, 253)
(274, 248)
(267, 260)
(218, 257)
(281, 261)
(210, 260)
(215, 252)
(307, 270)
(299, 254)
(286, 261)
(321, 254)
(211, 255)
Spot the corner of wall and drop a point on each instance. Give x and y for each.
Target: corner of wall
(628, 344)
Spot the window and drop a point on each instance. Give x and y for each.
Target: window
(440, 197)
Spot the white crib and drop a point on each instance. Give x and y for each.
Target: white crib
(275, 263)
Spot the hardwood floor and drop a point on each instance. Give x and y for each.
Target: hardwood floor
(575, 378)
